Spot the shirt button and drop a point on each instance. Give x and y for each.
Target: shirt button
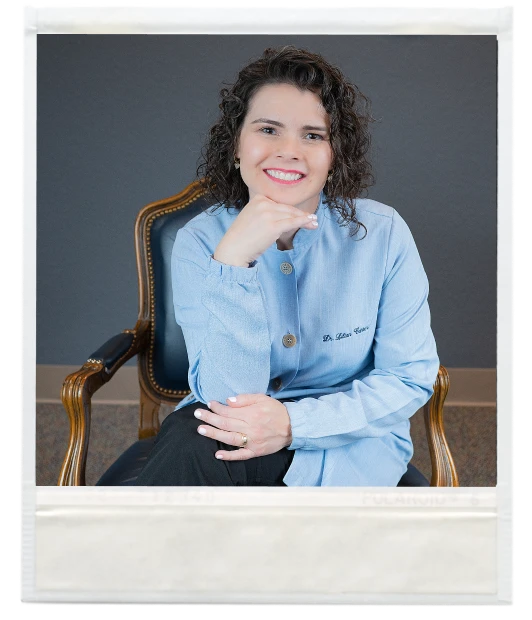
(289, 340)
(286, 268)
(277, 383)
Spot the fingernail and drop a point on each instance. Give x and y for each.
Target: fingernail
(313, 217)
(232, 399)
(209, 404)
(201, 430)
(197, 413)
(314, 223)
(219, 456)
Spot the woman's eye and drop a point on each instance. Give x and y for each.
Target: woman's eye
(266, 130)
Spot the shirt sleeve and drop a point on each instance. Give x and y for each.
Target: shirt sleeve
(221, 311)
(405, 361)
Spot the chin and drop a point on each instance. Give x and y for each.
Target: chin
(289, 193)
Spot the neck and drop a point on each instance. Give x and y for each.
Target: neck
(285, 242)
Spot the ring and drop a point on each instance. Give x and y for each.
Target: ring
(244, 440)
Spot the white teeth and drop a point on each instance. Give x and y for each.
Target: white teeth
(285, 176)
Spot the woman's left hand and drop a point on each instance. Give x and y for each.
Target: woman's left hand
(264, 421)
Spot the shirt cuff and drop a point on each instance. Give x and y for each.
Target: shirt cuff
(296, 414)
(232, 273)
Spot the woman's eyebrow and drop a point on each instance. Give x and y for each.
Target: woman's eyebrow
(278, 124)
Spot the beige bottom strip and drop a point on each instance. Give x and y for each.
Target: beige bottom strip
(272, 545)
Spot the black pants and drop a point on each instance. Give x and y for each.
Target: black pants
(183, 457)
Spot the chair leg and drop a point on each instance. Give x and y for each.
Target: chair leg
(149, 414)
(76, 394)
(443, 469)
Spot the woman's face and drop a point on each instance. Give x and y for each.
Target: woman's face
(285, 131)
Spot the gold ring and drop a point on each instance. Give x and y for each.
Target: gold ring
(244, 440)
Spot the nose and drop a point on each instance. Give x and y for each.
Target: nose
(289, 147)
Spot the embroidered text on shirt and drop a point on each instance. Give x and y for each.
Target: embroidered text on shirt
(340, 335)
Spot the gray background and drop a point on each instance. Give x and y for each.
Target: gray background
(121, 120)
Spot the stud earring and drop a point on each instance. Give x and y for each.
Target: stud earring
(329, 177)
(237, 164)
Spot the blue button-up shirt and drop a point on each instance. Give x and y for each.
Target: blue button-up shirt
(364, 359)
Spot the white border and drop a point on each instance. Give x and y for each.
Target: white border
(64, 508)
(337, 20)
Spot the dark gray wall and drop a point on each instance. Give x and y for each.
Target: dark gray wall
(121, 121)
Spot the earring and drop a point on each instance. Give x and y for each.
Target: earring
(237, 164)
(329, 178)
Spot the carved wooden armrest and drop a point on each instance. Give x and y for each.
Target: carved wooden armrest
(443, 469)
(78, 389)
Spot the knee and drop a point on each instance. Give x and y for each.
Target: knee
(180, 429)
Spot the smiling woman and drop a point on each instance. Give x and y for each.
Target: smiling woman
(268, 284)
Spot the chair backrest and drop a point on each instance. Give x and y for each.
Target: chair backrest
(163, 364)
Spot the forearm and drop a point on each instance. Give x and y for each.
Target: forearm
(226, 334)
(371, 408)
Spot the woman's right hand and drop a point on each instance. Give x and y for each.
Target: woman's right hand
(260, 223)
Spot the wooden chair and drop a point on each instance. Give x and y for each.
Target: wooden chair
(158, 343)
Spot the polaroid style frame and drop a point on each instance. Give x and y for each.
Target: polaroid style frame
(325, 545)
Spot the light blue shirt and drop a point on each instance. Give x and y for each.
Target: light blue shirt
(364, 359)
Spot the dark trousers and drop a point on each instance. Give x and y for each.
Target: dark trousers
(183, 457)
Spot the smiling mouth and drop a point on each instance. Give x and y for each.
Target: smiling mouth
(285, 178)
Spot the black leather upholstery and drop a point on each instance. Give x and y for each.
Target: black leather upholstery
(413, 478)
(170, 361)
(125, 470)
(115, 348)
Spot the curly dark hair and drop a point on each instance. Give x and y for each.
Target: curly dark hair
(349, 115)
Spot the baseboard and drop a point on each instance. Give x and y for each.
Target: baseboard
(469, 387)
(123, 389)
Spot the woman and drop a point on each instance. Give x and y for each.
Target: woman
(303, 306)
